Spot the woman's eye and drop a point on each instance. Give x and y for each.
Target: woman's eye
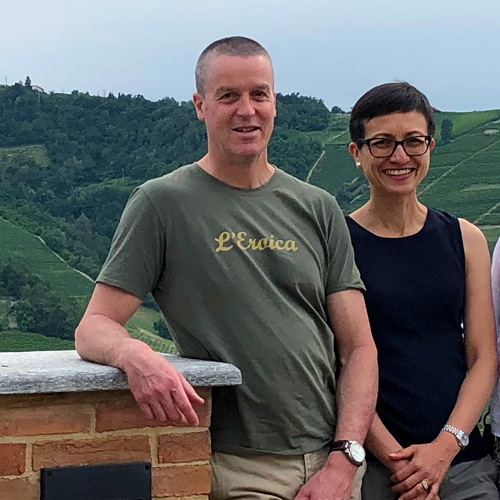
(382, 143)
(414, 141)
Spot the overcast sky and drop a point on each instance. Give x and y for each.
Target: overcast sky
(331, 49)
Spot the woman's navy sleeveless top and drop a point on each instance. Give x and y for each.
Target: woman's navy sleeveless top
(415, 299)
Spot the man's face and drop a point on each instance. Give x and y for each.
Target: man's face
(238, 106)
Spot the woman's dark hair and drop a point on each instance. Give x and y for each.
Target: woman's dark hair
(399, 97)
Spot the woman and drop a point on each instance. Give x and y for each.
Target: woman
(429, 300)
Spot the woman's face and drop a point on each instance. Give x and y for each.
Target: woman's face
(398, 173)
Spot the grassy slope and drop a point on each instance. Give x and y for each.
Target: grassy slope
(13, 341)
(20, 245)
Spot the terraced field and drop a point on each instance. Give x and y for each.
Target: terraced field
(464, 178)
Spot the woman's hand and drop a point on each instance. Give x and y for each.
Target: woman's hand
(425, 462)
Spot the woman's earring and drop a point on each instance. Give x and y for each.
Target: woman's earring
(358, 165)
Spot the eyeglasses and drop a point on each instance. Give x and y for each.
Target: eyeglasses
(381, 147)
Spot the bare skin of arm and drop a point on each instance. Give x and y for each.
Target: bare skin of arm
(431, 461)
(356, 393)
(160, 390)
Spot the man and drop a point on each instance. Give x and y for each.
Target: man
(249, 266)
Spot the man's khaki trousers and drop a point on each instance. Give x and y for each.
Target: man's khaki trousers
(268, 477)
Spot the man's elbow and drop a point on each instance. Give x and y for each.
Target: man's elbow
(83, 338)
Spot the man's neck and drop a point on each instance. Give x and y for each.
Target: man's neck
(245, 174)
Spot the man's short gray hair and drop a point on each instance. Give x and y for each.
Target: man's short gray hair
(236, 46)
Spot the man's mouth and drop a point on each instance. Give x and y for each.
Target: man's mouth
(245, 130)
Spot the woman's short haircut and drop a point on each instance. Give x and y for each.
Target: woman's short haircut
(398, 97)
(236, 46)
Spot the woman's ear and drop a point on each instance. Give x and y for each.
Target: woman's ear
(354, 150)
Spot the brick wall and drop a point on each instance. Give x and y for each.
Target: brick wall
(58, 430)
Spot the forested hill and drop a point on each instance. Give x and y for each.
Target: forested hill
(68, 162)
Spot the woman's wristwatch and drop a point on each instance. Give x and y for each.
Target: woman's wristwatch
(460, 435)
(354, 451)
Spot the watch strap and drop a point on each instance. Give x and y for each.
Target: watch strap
(458, 433)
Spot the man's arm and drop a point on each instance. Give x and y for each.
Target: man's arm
(160, 390)
(356, 393)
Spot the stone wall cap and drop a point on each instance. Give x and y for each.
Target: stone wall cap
(64, 371)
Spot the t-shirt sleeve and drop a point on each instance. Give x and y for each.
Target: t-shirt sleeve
(342, 271)
(136, 258)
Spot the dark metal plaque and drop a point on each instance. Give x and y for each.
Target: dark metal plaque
(97, 482)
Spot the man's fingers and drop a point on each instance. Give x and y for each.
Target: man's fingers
(191, 393)
(158, 411)
(185, 407)
(146, 411)
(170, 405)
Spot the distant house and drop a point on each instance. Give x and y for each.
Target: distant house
(37, 88)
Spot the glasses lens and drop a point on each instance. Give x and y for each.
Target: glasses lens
(416, 145)
(381, 147)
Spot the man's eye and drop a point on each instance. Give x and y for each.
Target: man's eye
(260, 95)
(227, 96)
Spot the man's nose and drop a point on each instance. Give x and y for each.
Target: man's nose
(245, 106)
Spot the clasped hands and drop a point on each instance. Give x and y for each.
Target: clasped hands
(422, 465)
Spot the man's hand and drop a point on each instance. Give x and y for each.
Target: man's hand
(160, 390)
(333, 482)
(427, 462)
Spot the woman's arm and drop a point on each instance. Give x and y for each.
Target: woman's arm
(431, 461)
(480, 335)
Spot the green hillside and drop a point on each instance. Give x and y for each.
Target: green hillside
(19, 244)
(15, 341)
(464, 178)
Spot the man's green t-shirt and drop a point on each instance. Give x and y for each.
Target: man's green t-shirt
(242, 276)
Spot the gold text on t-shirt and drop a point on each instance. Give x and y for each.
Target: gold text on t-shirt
(227, 240)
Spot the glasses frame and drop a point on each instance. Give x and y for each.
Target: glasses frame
(428, 140)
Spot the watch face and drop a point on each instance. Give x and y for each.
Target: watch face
(464, 439)
(357, 452)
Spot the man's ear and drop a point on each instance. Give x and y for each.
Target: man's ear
(275, 105)
(198, 106)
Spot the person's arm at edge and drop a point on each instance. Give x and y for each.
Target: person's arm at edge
(482, 362)
(160, 390)
(356, 391)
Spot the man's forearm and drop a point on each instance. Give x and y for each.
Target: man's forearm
(357, 393)
(104, 341)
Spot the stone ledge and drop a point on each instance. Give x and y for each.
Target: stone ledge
(64, 371)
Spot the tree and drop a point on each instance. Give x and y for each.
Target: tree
(162, 329)
(27, 82)
(447, 131)
(337, 110)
